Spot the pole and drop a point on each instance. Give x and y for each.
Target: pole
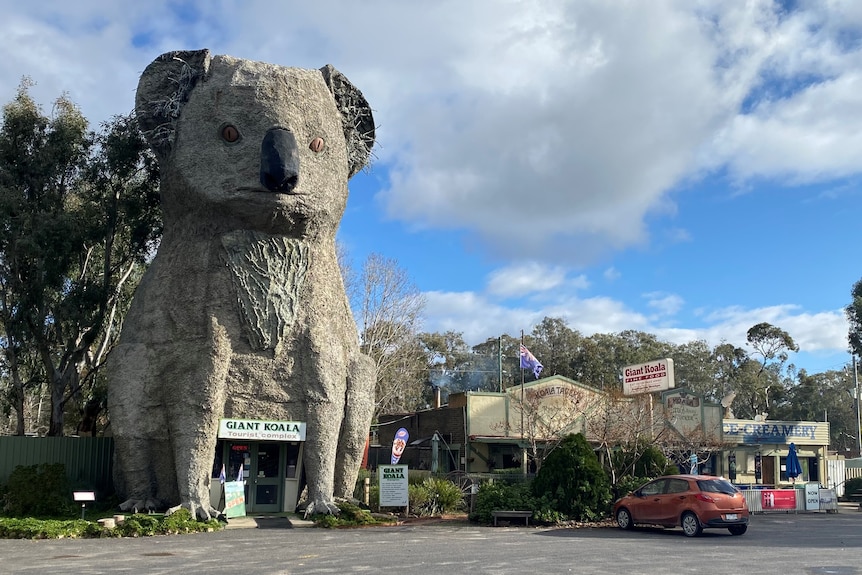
(500, 360)
(524, 465)
(522, 387)
(858, 415)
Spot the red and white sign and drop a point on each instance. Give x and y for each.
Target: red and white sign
(778, 499)
(648, 377)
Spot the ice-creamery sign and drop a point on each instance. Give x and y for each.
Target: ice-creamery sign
(261, 429)
(648, 377)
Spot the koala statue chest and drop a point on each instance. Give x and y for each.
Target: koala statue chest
(267, 274)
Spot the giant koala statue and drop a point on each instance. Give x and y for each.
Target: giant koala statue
(243, 312)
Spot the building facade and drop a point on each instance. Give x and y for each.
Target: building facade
(479, 432)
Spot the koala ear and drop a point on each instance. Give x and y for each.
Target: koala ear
(356, 118)
(163, 88)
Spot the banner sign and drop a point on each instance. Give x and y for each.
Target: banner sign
(782, 499)
(234, 499)
(648, 377)
(780, 432)
(261, 429)
(392, 480)
(398, 444)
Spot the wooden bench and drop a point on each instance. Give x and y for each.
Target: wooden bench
(525, 515)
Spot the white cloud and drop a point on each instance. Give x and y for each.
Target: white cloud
(547, 130)
(479, 318)
(612, 274)
(665, 304)
(523, 279)
(497, 114)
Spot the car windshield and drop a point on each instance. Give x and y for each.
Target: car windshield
(716, 486)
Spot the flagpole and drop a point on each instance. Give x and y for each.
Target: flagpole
(522, 388)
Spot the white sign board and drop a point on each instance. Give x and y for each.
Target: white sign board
(648, 377)
(392, 480)
(261, 429)
(812, 496)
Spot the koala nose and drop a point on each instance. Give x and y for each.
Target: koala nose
(279, 161)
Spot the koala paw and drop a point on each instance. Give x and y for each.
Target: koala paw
(198, 510)
(138, 505)
(321, 506)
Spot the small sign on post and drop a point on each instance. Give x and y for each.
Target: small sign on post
(83, 497)
(392, 480)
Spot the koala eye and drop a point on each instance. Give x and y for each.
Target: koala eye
(316, 145)
(229, 134)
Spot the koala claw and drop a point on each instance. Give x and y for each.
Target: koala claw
(322, 507)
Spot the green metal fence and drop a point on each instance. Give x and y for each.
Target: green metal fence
(88, 460)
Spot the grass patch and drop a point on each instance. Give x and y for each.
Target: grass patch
(136, 525)
(350, 516)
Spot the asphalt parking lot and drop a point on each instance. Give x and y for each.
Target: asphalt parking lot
(809, 543)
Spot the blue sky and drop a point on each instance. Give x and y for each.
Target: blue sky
(685, 168)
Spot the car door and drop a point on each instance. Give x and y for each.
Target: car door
(672, 501)
(649, 501)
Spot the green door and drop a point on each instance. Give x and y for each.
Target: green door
(265, 480)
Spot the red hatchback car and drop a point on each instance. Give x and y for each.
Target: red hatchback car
(694, 502)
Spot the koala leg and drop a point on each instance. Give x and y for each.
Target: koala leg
(359, 409)
(319, 455)
(198, 382)
(141, 444)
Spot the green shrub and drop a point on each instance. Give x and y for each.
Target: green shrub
(140, 525)
(627, 484)
(497, 495)
(642, 460)
(38, 491)
(417, 476)
(137, 525)
(374, 498)
(349, 515)
(359, 490)
(852, 486)
(573, 480)
(434, 497)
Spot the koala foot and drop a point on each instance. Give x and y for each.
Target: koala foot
(139, 505)
(198, 510)
(321, 506)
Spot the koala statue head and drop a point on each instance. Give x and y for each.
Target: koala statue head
(248, 144)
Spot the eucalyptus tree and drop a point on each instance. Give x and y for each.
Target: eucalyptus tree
(854, 317)
(772, 344)
(78, 218)
(495, 363)
(694, 369)
(556, 345)
(451, 364)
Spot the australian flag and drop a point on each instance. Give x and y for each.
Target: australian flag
(529, 361)
(221, 476)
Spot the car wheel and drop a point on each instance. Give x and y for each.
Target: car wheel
(737, 529)
(691, 525)
(624, 519)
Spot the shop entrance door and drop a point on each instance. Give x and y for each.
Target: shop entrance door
(769, 470)
(265, 480)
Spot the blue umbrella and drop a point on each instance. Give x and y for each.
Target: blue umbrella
(794, 469)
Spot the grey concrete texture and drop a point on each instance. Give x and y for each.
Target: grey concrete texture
(242, 312)
(775, 544)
